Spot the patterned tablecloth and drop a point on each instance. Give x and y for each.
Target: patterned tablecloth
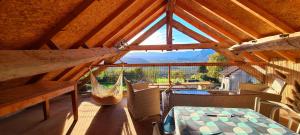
(222, 121)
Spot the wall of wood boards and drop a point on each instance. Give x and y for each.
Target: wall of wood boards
(290, 69)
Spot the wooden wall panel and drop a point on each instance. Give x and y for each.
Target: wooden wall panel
(290, 69)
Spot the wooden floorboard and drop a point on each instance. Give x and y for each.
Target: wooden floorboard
(93, 119)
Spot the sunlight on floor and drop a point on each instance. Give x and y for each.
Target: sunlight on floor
(87, 112)
(128, 127)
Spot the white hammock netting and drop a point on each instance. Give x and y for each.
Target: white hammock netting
(107, 96)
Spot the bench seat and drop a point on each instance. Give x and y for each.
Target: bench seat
(18, 98)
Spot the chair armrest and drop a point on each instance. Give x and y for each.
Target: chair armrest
(252, 87)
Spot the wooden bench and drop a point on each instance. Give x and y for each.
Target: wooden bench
(15, 99)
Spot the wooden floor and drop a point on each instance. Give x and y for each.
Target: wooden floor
(93, 119)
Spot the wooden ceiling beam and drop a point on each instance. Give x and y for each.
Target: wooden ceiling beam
(141, 38)
(250, 32)
(22, 63)
(201, 38)
(219, 29)
(154, 14)
(104, 23)
(135, 29)
(60, 25)
(211, 24)
(184, 64)
(271, 43)
(171, 47)
(145, 21)
(263, 15)
(229, 55)
(191, 33)
(196, 23)
(149, 32)
(117, 29)
(110, 36)
(286, 56)
(261, 56)
(169, 16)
(232, 22)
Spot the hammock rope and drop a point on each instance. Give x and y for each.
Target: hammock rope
(107, 96)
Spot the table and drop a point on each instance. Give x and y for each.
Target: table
(213, 120)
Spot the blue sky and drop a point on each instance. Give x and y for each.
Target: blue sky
(159, 37)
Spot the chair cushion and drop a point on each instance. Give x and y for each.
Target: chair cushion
(276, 87)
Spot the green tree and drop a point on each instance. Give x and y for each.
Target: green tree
(213, 71)
(202, 69)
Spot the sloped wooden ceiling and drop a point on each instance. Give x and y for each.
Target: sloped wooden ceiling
(44, 24)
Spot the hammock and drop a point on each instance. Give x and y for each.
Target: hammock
(107, 96)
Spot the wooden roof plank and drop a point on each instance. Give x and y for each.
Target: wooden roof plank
(263, 15)
(124, 24)
(209, 23)
(250, 32)
(61, 24)
(104, 23)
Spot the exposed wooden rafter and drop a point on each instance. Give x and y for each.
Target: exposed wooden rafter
(169, 16)
(185, 64)
(114, 32)
(219, 29)
(197, 23)
(73, 71)
(250, 32)
(172, 47)
(104, 23)
(260, 76)
(61, 24)
(22, 63)
(189, 32)
(263, 15)
(143, 23)
(205, 20)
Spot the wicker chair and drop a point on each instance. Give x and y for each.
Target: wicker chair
(292, 107)
(266, 93)
(142, 102)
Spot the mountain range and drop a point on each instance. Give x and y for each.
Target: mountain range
(168, 57)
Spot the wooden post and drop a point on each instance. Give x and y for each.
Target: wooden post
(169, 75)
(46, 109)
(74, 102)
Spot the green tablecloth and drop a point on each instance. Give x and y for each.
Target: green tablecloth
(229, 121)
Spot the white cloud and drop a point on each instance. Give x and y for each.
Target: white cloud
(158, 37)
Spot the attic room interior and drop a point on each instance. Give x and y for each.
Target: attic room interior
(150, 67)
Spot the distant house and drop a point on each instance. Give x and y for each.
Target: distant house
(231, 76)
